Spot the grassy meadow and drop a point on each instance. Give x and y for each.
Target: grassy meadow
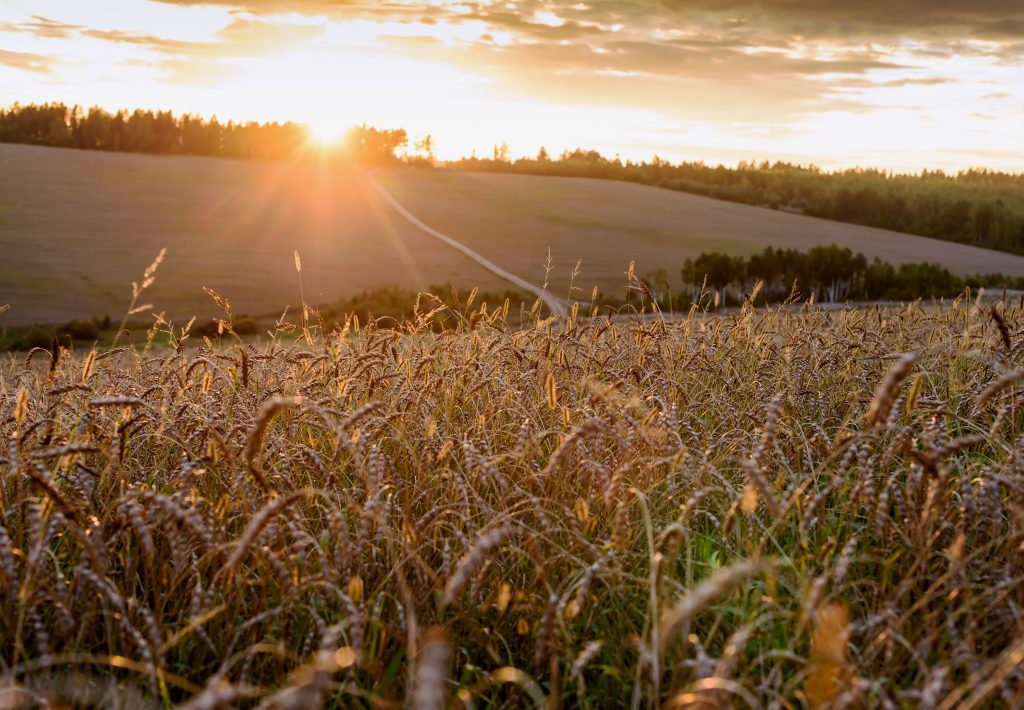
(774, 508)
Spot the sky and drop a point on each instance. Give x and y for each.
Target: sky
(897, 84)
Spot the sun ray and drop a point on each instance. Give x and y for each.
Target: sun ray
(326, 130)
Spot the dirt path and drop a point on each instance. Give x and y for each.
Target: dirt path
(556, 306)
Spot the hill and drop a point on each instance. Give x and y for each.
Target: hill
(980, 207)
(512, 219)
(77, 227)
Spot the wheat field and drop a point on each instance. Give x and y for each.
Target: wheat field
(782, 508)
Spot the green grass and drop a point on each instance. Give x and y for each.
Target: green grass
(603, 513)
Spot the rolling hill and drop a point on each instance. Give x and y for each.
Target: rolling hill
(514, 219)
(77, 227)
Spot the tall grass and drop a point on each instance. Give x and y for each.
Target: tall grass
(817, 508)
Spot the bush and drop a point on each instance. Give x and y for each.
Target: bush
(831, 273)
(244, 326)
(79, 330)
(34, 336)
(206, 328)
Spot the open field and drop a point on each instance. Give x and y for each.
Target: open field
(77, 227)
(513, 219)
(735, 511)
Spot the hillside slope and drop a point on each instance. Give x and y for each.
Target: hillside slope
(77, 227)
(513, 219)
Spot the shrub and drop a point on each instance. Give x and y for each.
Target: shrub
(244, 326)
(206, 328)
(34, 336)
(79, 330)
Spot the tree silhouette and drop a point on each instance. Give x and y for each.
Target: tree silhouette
(164, 133)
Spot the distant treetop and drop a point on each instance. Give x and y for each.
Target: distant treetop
(163, 133)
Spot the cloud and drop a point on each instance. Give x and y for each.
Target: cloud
(674, 57)
(42, 27)
(685, 79)
(806, 18)
(255, 36)
(148, 41)
(895, 83)
(179, 61)
(241, 38)
(27, 61)
(744, 65)
(831, 18)
(718, 59)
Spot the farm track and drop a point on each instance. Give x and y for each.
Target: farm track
(556, 305)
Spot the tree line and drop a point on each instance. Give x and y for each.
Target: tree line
(164, 133)
(980, 207)
(825, 273)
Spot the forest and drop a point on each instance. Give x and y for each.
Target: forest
(978, 207)
(163, 133)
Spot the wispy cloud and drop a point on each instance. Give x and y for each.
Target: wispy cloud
(724, 76)
(806, 18)
(42, 27)
(28, 61)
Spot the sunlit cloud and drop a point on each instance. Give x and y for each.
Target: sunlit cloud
(900, 83)
(27, 61)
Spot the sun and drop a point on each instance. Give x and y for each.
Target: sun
(326, 131)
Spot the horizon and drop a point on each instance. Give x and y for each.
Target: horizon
(904, 86)
(328, 139)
